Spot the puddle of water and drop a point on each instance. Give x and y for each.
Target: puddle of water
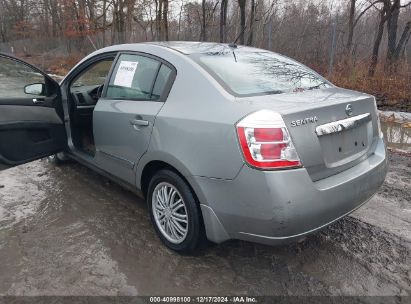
(397, 135)
(396, 127)
(20, 195)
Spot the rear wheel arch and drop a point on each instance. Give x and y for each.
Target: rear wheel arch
(215, 232)
(151, 173)
(156, 165)
(148, 172)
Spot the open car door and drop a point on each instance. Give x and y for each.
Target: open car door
(31, 113)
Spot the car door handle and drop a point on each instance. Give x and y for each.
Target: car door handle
(139, 122)
(38, 100)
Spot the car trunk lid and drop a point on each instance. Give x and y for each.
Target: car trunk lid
(332, 129)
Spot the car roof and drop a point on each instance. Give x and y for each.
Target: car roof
(194, 47)
(183, 47)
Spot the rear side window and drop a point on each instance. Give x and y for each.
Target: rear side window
(162, 80)
(247, 73)
(137, 77)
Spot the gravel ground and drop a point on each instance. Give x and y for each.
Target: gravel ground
(68, 231)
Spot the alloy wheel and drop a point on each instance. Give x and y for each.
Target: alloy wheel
(170, 212)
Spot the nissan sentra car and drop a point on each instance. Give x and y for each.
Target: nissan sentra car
(223, 141)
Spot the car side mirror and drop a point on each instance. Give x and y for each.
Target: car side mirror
(35, 89)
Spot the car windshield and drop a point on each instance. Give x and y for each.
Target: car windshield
(247, 73)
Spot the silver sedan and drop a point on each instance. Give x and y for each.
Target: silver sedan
(223, 141)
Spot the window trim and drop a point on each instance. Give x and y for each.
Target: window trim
(167, 86)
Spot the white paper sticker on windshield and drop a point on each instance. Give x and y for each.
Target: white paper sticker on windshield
(125, 74)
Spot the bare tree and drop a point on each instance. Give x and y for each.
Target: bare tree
(161, 7)
(159, 14)
(351, 26)
(300, 29)
(252, 21)
(119, 21)
(203, 35)
(165, 20)
(180, 15)
(223, 21)
(241, 36)
(353, 21)
(383, 15)
(393, 48)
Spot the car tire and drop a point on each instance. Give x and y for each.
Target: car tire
(58, 158)
(184, 237)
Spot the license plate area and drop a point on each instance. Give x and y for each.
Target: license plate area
(347, 145)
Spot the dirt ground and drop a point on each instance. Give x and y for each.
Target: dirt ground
(68, 231)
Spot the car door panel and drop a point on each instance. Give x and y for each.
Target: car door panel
(124, 118)
(41, 101)
(120, 142)
(15, 113)
(29, 132)
(31, 126)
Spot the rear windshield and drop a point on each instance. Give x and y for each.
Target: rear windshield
(247, 73)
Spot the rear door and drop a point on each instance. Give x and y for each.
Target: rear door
(123, 118)
(31, 114)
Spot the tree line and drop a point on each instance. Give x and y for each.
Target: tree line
(357, 31)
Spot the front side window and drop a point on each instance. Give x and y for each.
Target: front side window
(246, 73)
(18, 80)
(138, 77)
(94, 75)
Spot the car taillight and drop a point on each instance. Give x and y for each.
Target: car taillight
(265, 141)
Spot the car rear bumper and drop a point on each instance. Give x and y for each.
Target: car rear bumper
(275, 206)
